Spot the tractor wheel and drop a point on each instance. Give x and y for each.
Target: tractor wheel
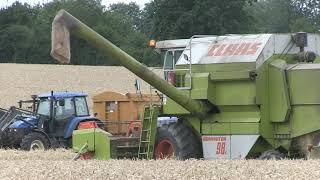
(271, 155)
(176, 140)
(34, 141)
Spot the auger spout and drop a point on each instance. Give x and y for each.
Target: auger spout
(65, 24)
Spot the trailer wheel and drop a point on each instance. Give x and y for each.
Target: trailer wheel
(271, 155)
(34, 141)
(176, 140)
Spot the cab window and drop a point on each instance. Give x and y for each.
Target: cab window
(170, 59)
(65, 109)
(44, 107)
(81, 106)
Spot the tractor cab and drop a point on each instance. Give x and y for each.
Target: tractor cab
(50, 123)
(60, 108)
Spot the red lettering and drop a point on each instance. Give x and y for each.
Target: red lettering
(253, 49)
(214, 138)
(234, 49)
(213, 49)
(221, 148)
(230, 50)
(243, 48)
(220, 50)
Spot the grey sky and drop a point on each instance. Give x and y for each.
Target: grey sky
(4, 3)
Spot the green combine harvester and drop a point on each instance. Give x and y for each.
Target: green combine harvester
(235, 96)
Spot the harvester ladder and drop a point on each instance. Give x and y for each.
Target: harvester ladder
(148, 132)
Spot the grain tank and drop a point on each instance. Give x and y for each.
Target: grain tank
(236, 96)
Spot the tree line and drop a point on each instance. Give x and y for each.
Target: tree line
(25, 30)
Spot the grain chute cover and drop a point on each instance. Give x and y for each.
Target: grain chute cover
(60, 40)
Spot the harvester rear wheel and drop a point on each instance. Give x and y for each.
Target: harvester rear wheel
(34, 141)
(271, 155)
(176, 140)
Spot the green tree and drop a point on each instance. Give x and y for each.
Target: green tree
(274, 16)
(168, 19)
(16, 32)
(131, 12)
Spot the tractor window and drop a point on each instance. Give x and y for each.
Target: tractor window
(66, 109)
(44, 107)
(81, 106)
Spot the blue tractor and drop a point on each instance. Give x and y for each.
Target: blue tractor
(50, 123)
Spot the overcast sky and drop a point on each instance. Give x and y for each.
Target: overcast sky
(4, 3)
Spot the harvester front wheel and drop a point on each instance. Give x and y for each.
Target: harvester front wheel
(176, 140)
(34, 141)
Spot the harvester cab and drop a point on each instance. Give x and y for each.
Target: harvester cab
(170, 50)
(235, 96)
(49, 125)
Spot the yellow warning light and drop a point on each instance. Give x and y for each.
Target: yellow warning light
(152, 43)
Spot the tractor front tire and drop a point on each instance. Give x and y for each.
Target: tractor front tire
(34, 141)
(176, 140)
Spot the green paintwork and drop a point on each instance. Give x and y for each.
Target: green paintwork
(82, 137)
(230, 76)
(230, 128)
(97, 140)
(304, 119)
(279, 105)
(171, 107)
(304, 84)
(232, 93)
(200, 80)
(226, 67)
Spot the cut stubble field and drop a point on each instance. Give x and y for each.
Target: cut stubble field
(58, 164)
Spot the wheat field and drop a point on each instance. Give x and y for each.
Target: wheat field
(19, 81)
(59, 165)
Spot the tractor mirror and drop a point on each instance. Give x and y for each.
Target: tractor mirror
(61, 102)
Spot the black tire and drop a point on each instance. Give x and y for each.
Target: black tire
(185, 144)
(4, 141)
(33, 141)
(271, 155)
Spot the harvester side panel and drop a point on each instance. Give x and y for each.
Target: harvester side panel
(305, 98)
(279, 104)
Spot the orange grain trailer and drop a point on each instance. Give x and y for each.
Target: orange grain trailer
(121, 113)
